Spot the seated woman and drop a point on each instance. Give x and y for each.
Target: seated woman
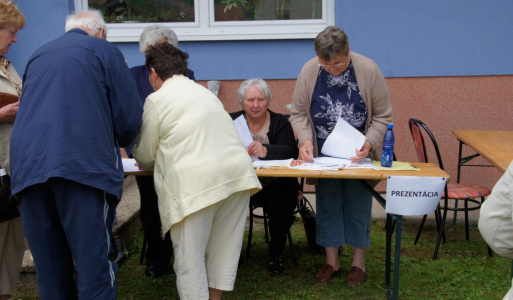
(273, 138)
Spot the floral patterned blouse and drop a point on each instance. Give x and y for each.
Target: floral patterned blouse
(336, 96)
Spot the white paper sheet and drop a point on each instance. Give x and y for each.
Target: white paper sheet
(412, 195)
(243, 131)
(343, 141)
(129, 165)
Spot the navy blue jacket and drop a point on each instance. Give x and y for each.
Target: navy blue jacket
(79, 105)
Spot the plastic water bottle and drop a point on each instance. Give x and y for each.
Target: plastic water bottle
(388, 147)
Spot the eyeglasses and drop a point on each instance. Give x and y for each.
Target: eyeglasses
(335, 66)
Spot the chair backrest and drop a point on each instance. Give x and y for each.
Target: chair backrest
(417, 128)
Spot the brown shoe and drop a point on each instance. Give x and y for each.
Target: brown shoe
(326, 274)
(355, 276)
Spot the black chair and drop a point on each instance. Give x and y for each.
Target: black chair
(264, 216)
(468, 193)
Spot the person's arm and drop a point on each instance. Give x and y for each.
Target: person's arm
(124, 100)
(496, 218)
(147, 142)
(301, 101)
(381, 107)
(8, 112)
(283, 145)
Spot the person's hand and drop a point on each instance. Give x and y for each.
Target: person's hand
(8, 112)
(139, 166)
(257, 149)
(306, 151)
(362, 153)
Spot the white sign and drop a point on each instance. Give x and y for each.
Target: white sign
(412, 195)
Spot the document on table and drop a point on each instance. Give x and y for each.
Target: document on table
(293, 164)
(243, 131)
(396, 166)
(129, 165)
(319, 163)
(343, 141)
(344, 163)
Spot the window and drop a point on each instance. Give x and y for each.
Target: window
(201, 20)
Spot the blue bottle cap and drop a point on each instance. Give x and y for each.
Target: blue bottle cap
(390, 126)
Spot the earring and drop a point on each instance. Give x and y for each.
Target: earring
(154, 84)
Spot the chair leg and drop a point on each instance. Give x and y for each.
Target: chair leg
(266, 229)
(466, 220)
(455, 212)
(143, 250)
(490, 253)
(292, 253)
(442, 227)
(438, 218)
(250, 232)
(420, 229)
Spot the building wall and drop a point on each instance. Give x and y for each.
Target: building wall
(406, 39)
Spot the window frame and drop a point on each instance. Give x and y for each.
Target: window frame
(206, 29)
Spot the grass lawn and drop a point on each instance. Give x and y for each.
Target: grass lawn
(463, 270)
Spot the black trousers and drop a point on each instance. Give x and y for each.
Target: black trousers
(159, 249)
(279, 199)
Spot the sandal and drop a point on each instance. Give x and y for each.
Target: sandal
(275, 266)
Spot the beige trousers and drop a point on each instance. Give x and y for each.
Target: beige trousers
(12, 248)
(207, 247)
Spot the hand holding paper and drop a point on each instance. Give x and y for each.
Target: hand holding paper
(343, 141)
(243, 131)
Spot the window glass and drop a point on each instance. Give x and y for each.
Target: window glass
(145, 11)
(212, 20)
(265, 10)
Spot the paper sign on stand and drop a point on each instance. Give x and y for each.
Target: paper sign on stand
(413, 196)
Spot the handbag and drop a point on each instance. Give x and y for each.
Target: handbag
(307, 213)
(8, 207)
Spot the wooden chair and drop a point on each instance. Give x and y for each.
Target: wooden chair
(468, 193)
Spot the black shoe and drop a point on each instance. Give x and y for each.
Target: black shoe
(276, 266)
(152, 271)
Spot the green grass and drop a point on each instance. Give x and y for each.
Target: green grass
(463, 270)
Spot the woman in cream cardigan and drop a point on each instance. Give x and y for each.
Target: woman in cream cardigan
(202, 173)
(340, 83)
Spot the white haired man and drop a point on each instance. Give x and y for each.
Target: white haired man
(78, 107)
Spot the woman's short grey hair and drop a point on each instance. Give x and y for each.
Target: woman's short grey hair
(331, 42)
(259, 83)
(153, 34)
(91, 19)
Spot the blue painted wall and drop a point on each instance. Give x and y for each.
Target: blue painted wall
(407, 38)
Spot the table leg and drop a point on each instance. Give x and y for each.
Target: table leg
(397, 257)
(390, 224)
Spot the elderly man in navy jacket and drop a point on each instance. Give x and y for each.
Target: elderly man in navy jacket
(78, 107)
